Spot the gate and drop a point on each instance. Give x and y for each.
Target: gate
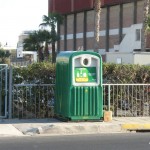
(3, 90)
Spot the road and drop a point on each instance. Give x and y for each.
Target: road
(130, 141)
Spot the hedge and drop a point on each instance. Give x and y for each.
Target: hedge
(44, 73)
(119, 73)
(37, 73)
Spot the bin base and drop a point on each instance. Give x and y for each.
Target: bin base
(79, 118)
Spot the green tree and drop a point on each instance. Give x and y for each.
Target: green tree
(51, 21)
(97, 6)
(4, 55)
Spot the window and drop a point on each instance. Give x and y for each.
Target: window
(138, 34)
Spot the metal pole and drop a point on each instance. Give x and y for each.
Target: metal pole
(6, 67)
(109, 97)
(10, 93)
(1, 91)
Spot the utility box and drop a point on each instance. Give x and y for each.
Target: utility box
(79, 91)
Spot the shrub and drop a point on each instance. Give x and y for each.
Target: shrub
(37, 73)
(119, 73)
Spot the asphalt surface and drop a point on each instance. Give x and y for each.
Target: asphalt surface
(116, 141)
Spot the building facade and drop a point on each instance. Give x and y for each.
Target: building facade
(121, 24)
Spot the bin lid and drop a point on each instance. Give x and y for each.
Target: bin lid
(67, 55)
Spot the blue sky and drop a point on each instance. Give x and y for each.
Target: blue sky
(19, 15)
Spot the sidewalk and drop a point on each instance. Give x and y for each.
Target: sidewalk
(32, 127)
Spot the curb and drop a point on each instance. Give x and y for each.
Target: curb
(73, 129)
(135, 126)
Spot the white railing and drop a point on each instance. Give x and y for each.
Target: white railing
(127, 100)
(32, 100)
(124, 100)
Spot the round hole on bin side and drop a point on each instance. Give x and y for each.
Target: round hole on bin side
(85, 61)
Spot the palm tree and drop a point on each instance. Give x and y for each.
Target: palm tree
(45, 38)
(30, 43)
(145, 20)
(148, 23)
(97, 5)
(35, 42)
(50, 21)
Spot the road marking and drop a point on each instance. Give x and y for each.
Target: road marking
(130, 126)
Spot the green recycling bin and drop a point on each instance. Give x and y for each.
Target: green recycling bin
(79, 88)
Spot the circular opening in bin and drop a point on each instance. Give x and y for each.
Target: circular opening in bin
(85, 61)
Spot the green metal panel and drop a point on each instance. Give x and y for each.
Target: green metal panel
(86, 102)
(77, 102)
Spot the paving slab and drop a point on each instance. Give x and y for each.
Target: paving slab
(9, 130)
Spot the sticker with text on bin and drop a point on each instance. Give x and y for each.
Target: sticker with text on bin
(85, 74)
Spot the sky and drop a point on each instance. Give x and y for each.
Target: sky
(17, 16)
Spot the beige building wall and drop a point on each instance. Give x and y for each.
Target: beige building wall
(113, 40)
(128, 14)
(90, 29)
(114, 20)
(90, 21)
(62, 37)
(62, 29)
(61, 45)
(90, 43)
(114, 24)
(114, 17)
(80, 19)
(79, 43)
(103, 19)
(140, 5)
(70, 25)
(102, 43)
(79, 26)
(69, 45)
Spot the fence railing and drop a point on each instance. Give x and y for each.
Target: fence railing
(3, 90)
(32, 101)
(124, 100)
(128, 100)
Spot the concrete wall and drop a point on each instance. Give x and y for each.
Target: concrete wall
(141, 58)
(129, 43)
(116, 57)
